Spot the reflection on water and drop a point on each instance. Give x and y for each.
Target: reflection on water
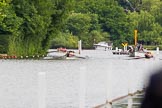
(19, 79)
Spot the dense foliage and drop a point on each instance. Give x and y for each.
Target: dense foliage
(29, 27)
(115, 20)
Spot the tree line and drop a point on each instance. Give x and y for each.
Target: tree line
(30, 27)
(27, 26)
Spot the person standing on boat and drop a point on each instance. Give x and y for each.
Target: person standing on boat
(131, 49)
(140, 47)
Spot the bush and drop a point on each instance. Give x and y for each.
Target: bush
(152, 47)
(2, 49)
(65, 40)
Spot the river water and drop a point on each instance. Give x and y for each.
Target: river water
(106, 76)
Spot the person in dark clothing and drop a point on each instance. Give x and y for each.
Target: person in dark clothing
(153, 94)
(70, 53)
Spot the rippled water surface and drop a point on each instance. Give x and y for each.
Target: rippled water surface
(106, 76)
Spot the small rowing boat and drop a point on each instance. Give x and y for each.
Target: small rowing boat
(63, 58)
(69, 55)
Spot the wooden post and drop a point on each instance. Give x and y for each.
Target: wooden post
(79, 46)
(109, 87)
(130, 101)
(41, 90)
(135, 37)
(157, 50)
(116, 48)
(82, 89)
(108, 105)
(130, 87)
(126, 48)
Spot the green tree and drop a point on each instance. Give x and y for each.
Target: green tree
(81, 25)
(111, 17)
(41, 21)
(149, 31)
(9, 24)
(66, 40)
(132, 5)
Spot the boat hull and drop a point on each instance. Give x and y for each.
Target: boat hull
(137, 54)
(64, 58)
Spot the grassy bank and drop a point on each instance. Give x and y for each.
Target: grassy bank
(152, 47)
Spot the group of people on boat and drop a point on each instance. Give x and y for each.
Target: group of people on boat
(139, 48)
(68, 53)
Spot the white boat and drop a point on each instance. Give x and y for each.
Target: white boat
(54, 58)
(103, 45)
(55, 55)
(137, 54)
(63, 58)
